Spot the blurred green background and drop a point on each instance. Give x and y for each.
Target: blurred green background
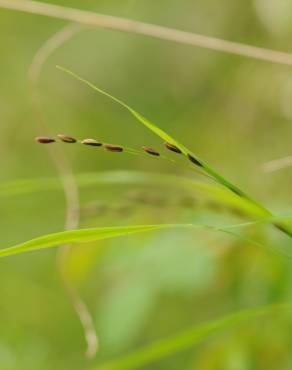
(232, 111)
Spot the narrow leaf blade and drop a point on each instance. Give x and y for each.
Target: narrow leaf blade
(189, 338)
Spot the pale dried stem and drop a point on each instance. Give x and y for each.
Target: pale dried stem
(69, 185)
(89, 18)
(277, 164)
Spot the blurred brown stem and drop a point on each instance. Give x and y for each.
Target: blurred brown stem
(65, 171)
(92, 19)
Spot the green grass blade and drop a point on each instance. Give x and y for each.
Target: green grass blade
(165, 136)
(189, 338)
(199, 163)
(95, 234)
(117, 178)
(209, 192)
(137, 178)
(79, 236)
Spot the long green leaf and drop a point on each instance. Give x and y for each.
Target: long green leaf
(94, 234)
(79, 236)
(136, 178)
(187, 339)
(165, 136)
(186, 152)
(118, 178)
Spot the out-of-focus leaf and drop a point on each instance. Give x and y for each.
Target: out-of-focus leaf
(188, 338)
(118, 178)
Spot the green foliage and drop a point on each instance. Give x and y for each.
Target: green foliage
(77, 236)
(204, 259)
(137, 178)
(188, 338)
(259, 209)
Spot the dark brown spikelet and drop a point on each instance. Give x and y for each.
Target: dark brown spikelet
(113, 148)
(172, 147)
(67, 139)
(194, 160)
(91, 142)
(150, 151)
(44, 140)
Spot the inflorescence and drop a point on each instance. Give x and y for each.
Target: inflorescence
(115, 148)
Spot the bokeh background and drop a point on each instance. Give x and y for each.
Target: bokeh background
(232, 111)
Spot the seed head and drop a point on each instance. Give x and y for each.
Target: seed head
(67, 139)
(113, 148)
(172, 147)
(44, 140)
(194, 160)
(150, 151)
(91, 142)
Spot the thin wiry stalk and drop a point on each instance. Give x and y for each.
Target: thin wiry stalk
(277, 164)
(39, 60)
(64, 169)
(127, 25)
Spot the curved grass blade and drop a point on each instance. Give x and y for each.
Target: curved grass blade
(80, 236)
(208, 191)
(188, 338)
(136, 178)
(100, 233)
(211, 191)
(165, 136)
(119, 178)
(185, 151)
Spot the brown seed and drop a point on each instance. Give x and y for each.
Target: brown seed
(44, 140)
(194, 160)
(172, 147)
(150, 151)
(91, 142)
(67, 139)
(113, 148)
